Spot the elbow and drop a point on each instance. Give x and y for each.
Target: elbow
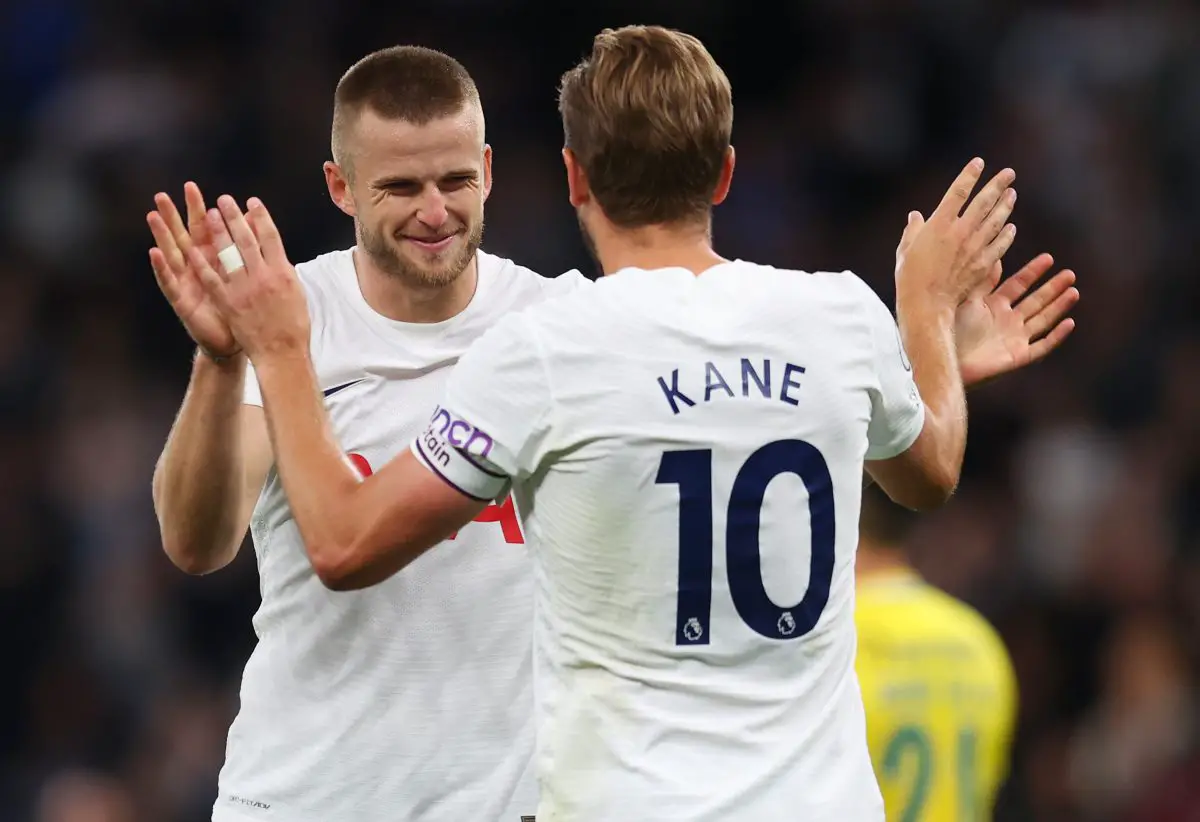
(192, 560)
(337, 567)
(933, 492)
(352, 566)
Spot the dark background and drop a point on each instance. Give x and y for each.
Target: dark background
(1076, 530)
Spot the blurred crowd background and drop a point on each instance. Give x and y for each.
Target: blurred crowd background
(1076, 530)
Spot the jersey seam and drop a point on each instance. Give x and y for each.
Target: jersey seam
(543, 361)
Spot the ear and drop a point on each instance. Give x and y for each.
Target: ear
(577, 183)
(726, 178)
(487, 172)
(338, 183)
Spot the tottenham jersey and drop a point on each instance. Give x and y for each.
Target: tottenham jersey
(410, 701)
(687, 452)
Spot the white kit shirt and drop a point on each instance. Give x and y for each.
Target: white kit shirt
(687, 453)
(409, 701)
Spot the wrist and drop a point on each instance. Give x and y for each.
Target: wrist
(282, 365)
(924, 307)
(233, 361)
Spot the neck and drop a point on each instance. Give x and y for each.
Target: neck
(656, 246)
(396, 299)
(874, 560)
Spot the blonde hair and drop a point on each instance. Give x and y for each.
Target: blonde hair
(648, 115)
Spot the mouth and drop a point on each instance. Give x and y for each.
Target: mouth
(431, 245)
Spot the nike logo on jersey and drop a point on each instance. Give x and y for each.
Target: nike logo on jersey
(329, 392)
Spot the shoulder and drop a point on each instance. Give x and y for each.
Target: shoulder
(324, 277)
(514, 286)
(321, 272)
(849, 287)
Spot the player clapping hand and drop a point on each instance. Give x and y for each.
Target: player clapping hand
(253, 285)
(946, 259)
(178, 277)
(1003, 327)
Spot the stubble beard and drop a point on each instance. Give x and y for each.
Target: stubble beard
(388, 259)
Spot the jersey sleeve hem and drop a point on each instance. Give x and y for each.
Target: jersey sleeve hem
(907, 435)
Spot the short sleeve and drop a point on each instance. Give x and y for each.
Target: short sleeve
(492, 423)
(897, 411)
(251, 392)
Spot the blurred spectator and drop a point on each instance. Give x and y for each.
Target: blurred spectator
(1077, 530)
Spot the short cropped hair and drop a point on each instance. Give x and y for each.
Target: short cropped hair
(649, 116)
(410, 83)
(883, 521)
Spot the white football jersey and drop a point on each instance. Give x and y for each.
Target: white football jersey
(687, 453)
(410, 701)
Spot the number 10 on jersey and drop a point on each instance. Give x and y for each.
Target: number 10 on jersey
(692, 472)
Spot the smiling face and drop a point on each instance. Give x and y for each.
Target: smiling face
(416, 192)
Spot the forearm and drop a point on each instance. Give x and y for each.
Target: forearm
(197, 486)
(322, 488)
(927, 331)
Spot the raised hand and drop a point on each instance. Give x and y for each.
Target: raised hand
(178, 277)
(1001, 329)
(252, 284)
(948, 257)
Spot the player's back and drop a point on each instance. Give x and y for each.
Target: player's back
(694, 536)
(940, 699)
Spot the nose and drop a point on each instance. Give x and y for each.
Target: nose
(431, 211)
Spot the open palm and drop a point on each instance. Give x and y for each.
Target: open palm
(1003, 327)
(177, 277)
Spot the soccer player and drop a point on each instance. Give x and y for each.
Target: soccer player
(410, 701)
(937, 684)
(643, 423)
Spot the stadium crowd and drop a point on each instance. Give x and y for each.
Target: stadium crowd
(1076, 530)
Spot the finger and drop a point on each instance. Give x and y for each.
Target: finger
(165, 240)
(239, 230)
(214, 282)
(268, 234)
(995, 250)
(167, 282)
(959, 192)
(1052, 340)
(221, 239)
(170, 214)
(993, 225)
(1033, 304)
(197, 219)
(1048, 317)
(1016, 285)
(194, 201)
(988, 198)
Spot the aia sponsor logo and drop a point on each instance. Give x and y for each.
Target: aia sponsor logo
(503, 514)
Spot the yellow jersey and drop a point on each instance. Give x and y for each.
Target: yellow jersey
(940, 699)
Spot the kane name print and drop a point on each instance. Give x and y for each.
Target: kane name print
(745, 378)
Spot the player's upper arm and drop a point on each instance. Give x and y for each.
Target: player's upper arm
(484, 434)
(898, 443)
(493, 424)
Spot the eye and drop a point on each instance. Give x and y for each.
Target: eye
(403, 188)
